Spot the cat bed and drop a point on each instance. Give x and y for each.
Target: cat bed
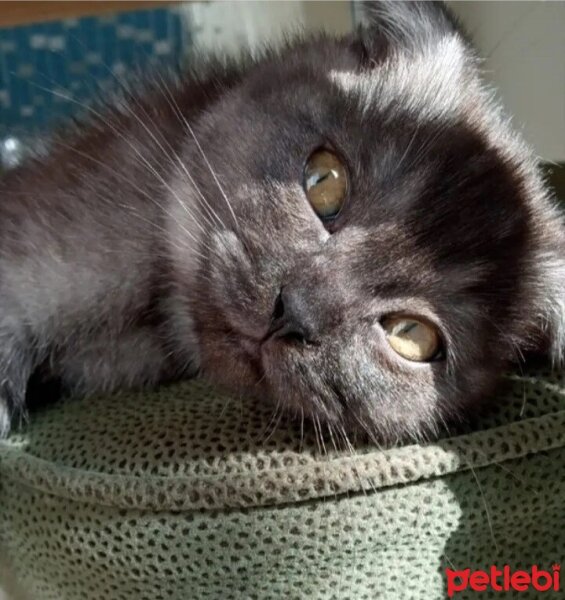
(184, 494)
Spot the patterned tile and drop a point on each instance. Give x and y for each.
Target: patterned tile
(43, 66)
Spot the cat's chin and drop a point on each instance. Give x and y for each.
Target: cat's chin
(299, 381)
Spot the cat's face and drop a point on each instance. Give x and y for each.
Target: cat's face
(401, 309)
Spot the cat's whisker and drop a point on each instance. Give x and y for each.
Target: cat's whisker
(487, 509)
(183, 121)
(301, 428)
(321, 434)
(316, 435)
(348, 515)
(449, 561)
(184, 170)
(271, 425)
(276, 421)
(409, 145)
(144, 193)
(173, 105)
(68, 97)
(346, 441)
(181, 167)
(444, 424)
(353, 454)
(204, 157)
(124, 87)
(120, 134)
(331, 435)
(230, 208)
(226, 405)
(424, 148)
(368, 431)
(260, 380)
(511, 344)
(151, 223)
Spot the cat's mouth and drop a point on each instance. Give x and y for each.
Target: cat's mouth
(290, 376)
(273, 359)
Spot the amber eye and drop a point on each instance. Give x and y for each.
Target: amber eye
(413, 339)
(325, 183)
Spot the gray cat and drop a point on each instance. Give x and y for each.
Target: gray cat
(346, 226)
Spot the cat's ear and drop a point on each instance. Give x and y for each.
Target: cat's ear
(390, 25)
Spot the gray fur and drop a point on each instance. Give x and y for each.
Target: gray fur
(154, 242)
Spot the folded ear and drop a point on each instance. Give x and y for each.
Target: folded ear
(408, 25)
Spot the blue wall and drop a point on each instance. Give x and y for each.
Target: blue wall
(77, 58)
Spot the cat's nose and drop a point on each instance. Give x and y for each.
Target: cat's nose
(293, 317)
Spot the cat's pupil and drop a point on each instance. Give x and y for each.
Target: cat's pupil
(318, 178)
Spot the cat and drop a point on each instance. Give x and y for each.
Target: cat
(347, 226)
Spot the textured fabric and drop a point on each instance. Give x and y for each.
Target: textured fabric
(187, 494)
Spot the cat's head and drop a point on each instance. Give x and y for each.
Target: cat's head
(375, 242)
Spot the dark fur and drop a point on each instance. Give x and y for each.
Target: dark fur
(115, 271)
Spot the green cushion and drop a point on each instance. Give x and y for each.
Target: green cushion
(185, 494)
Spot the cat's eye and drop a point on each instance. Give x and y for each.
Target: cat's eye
(414, 339)
(325, 183)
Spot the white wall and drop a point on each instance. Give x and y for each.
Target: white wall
(229, 25)
(524, 46)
